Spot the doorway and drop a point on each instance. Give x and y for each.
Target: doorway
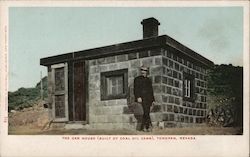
(79, 91)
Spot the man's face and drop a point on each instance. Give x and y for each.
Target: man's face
(144, 73)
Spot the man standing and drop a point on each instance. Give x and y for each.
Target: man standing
(143, 92)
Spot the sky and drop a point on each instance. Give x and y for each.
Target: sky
(37, 32)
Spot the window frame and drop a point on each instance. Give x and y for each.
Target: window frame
(191, 79)
(105, 75)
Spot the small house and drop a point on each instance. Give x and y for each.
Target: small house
(95, 86)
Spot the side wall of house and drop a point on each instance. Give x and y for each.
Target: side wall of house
(121, 113)
(176, 110)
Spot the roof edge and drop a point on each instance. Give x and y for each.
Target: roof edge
(187, 51)
(105, 50)
(126, 47)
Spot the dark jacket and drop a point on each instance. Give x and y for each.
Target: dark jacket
(143, 88)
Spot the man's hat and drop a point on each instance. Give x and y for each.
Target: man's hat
(144, 68)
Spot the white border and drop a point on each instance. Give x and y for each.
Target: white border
(48, 145)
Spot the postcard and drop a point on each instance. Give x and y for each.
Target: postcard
(124, 78)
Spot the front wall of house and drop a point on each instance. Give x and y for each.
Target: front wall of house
(174, 107)
(120, 113)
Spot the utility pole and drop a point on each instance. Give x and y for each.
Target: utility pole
(41, 85)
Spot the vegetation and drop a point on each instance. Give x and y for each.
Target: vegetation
(26, 97)
(226, 94)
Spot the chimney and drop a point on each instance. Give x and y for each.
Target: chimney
(150, 27)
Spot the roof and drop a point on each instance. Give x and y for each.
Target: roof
(127, 47)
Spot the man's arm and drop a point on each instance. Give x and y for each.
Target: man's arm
(152, 91)
(136, 89)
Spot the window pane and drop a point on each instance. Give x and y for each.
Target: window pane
(59, 106)
(59, 79)
(109, 86)
(120, 89)
(114, 81)
(120, 80)
(114, 91)
(187, 88)
(114, 85)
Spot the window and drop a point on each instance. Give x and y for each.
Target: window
(114, 84)
(59, 79)
(187, 84)
(188, 87)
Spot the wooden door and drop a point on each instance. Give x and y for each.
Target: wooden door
(79, 105)
(60, 92)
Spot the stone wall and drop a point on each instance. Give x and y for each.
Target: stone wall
(176, 110)
(166, 72)
(121, 113)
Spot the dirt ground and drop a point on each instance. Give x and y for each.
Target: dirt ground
(167, 131)
(33, 121)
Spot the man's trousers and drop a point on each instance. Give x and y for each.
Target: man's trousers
(146, 121)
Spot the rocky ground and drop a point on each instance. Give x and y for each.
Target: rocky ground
(32, 118)
(34, 121)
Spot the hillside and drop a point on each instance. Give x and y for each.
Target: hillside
(26, 97)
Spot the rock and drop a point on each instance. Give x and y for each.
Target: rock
(46, 105)
(13, 111)
(161, 125)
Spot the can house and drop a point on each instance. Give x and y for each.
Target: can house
(95, 86)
